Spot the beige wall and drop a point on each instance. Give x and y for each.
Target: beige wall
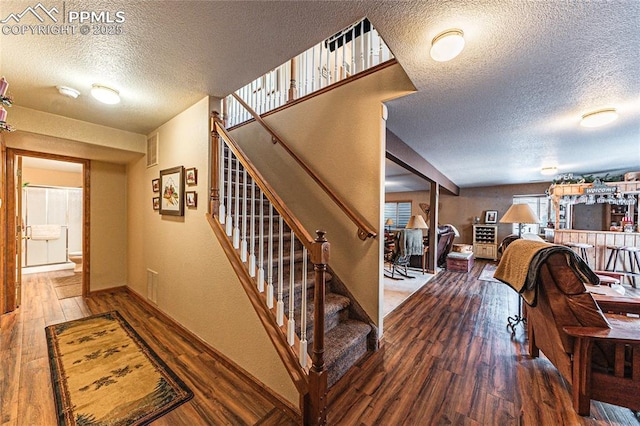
(197, 286)
(460, 210)
(471, 202)
(108, 240)
(340, 134)
(51, 125)
(51, 177)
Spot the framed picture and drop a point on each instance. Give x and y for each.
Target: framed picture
(172, 191)
(192, 176)
(155, 185)
(192, 198)
(491, 216)
(156, 203)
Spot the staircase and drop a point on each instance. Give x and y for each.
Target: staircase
(284, 263)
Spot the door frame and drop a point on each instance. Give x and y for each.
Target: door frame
(8, 300)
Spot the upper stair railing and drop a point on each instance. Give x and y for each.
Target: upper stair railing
(356, 48)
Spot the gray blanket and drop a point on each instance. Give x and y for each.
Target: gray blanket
(410, 242)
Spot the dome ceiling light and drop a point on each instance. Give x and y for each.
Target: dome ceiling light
(549, 171)
(447, 45)
(599, 118)
(69, 92)
(105, 94)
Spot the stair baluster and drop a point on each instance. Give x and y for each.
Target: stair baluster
(236, 208)
(280, 303)
(260, 278)
(362, 55)
(252, 232)
(270, 260)
(291, 323)
(354, 68)
(243, 242)
(229, 221)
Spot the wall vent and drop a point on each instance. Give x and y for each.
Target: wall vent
(152, 286)
(152, 150)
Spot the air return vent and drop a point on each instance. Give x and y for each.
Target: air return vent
(152, 286)
(152, 151)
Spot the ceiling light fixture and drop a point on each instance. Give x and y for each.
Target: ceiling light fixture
(105, 94)
(447, 45)
(548, 171)
(68, 91)
(599, 118)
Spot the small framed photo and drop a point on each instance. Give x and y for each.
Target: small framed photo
(155, 185)
(192, 198)
(171, 191)
(156, 203)
(192, 176)
(491, 216)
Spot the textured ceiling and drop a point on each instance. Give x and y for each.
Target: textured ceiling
(507, 106)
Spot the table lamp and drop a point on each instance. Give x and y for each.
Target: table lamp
(520, 214)
(389, 222)
(417, 222)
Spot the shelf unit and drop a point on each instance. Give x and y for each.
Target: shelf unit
(485, 244)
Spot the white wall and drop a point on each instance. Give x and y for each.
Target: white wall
(197, 286)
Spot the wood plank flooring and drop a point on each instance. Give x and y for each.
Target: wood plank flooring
(447, 359)
(26, 395)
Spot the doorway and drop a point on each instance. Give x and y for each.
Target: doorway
(48, 207)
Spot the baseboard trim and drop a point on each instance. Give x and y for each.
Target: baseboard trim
(247, 377)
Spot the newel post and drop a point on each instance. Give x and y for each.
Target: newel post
(293, 91)
(316, 399)
(214, 199)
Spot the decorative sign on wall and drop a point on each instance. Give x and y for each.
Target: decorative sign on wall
(600, 188)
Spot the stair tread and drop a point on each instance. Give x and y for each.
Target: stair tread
(339, 339)
(333, 303)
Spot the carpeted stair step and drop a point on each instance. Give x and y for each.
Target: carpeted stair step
(336, 311)
(344, 345)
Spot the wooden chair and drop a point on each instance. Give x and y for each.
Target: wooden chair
(597, 353)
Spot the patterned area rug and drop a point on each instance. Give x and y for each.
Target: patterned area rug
(487, 273)
(103, 373)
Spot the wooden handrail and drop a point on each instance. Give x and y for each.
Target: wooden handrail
(364, 230)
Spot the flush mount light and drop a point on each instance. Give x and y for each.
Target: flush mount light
(548, 171)
(68, 91)
(599, 118)
(447, 45)
(105, 94)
